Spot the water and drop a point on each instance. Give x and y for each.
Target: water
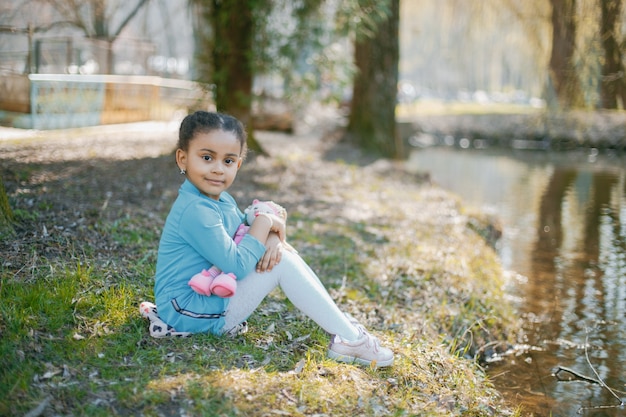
(564, 218)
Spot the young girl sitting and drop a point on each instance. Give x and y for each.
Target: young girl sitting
(198, 234)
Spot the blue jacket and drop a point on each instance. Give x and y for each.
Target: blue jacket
(198, 234)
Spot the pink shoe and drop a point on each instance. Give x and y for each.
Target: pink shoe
(201, 282)
(224, 285)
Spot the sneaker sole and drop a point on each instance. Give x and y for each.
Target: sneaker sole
(352, 359)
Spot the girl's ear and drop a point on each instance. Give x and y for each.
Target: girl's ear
(239, 162)
(181, 159)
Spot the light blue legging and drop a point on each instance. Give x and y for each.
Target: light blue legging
(301, 286)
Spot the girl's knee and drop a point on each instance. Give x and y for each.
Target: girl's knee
(291, 257)
(290, 260)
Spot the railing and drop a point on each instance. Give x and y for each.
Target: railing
(52, 101)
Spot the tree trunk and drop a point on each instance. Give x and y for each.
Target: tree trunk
(563, 72)
(233, 29)
(612, 86)
(372, 122)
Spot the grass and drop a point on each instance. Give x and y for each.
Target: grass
(403, 258)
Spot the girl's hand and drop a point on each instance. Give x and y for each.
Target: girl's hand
(272, 255)
(277, 225)
(265, 224)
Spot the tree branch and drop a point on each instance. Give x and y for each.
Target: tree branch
(600, 381)
(129, 18)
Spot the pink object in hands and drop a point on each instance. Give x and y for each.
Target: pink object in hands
(224, 285)
(201, 282)
(211, 281)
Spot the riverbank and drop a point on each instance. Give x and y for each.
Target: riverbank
(403, 256)
(516, 128)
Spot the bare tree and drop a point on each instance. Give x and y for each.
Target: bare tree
(95, 19)
(234, 27)
(225, 56)
(563, 73)
(612, 85)
(372, 121)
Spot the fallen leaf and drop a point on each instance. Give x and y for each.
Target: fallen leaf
(299, 366)
(50, 374)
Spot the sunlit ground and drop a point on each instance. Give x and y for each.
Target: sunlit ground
(441, 107)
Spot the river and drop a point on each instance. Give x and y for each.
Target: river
(564, 243)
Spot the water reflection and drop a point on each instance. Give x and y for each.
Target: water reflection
(565, 231)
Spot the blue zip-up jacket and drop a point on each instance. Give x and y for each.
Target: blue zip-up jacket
(198, 234)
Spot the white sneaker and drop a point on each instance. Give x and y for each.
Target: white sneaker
(366, 350)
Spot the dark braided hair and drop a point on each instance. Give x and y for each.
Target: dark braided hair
(204, 122)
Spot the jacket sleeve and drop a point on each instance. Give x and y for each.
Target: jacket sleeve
(203, 229)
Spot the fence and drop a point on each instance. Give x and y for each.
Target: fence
(53, 101)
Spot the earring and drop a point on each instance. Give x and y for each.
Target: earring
(182, 171)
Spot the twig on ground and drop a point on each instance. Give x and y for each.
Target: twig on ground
(576, 375)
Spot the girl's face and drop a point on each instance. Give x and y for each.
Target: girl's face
(211, 162)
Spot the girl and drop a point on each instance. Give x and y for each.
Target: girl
(198, 234)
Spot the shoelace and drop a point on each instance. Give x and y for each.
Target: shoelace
(371, 341)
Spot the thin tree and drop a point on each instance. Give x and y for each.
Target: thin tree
(229, 54)
(562, 72)
(372, 122)
(612, 84)
(226, 58)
